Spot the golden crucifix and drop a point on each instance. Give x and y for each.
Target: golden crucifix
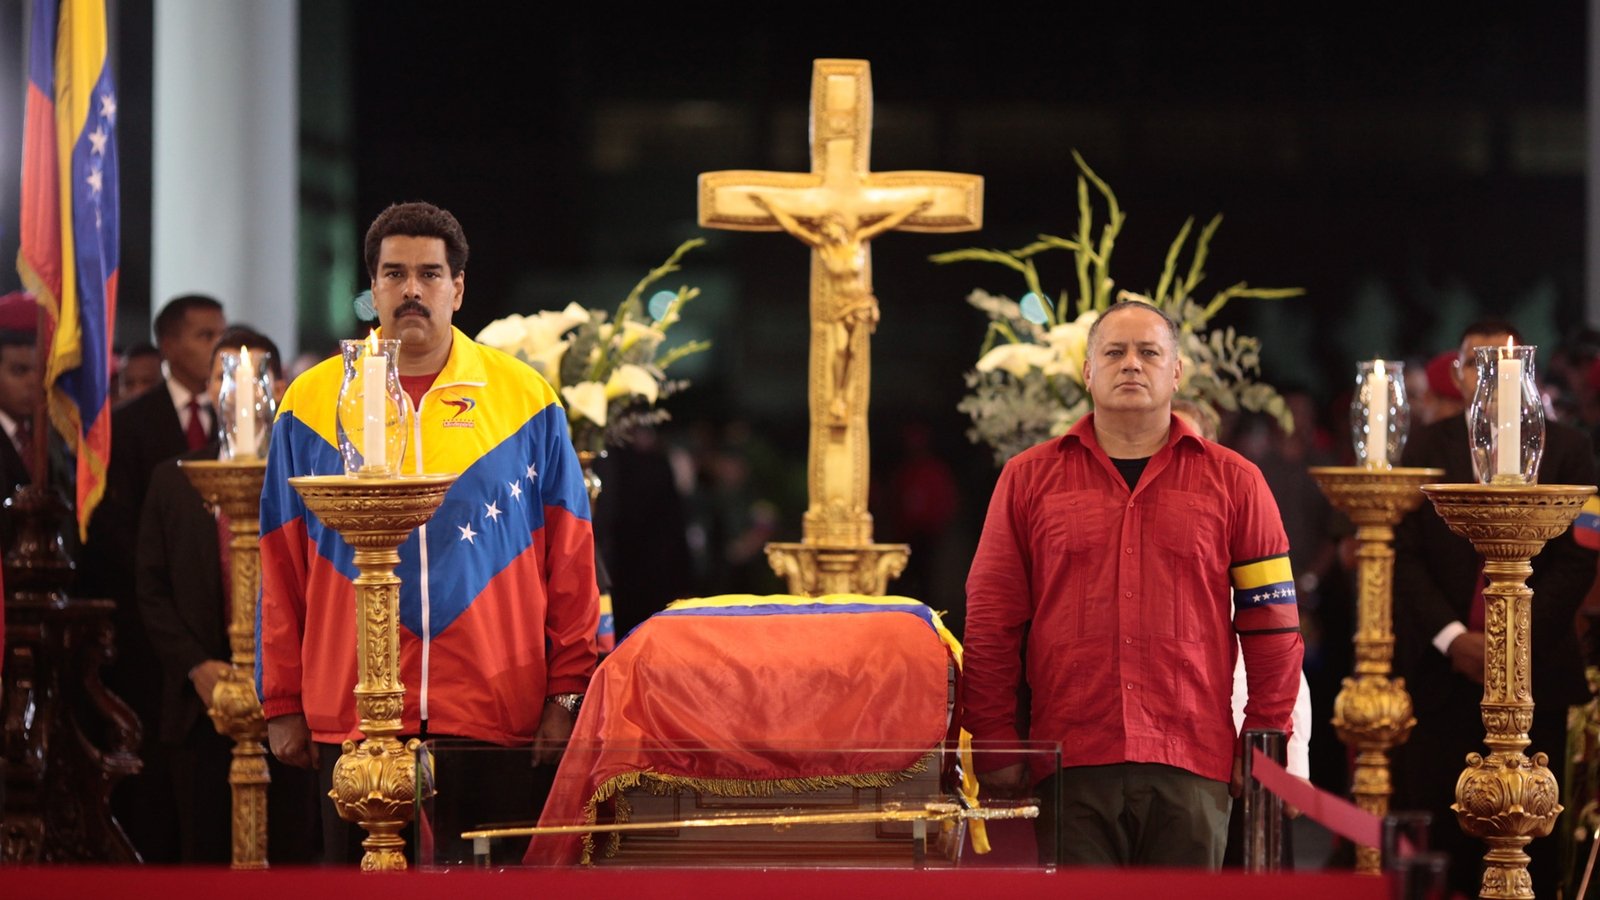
(837, 209)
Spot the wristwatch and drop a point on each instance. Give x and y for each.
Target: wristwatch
(568, 702)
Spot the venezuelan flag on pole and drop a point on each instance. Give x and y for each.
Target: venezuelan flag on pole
(69, 256)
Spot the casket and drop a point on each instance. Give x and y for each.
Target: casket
(760, 730)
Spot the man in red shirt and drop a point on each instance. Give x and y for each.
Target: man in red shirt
(1116, 549)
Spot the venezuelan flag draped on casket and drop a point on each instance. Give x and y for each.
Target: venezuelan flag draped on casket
(749, 695)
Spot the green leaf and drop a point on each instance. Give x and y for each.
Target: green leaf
(1171, 265)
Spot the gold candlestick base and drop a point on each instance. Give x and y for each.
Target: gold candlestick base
(235, 710)
(812, 570)
(1506, 798)
(374, 783)
(1372, 713)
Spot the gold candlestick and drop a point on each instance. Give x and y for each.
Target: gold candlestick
(1506, 798)
(1373, 713)
(375, 784)
(235, 489)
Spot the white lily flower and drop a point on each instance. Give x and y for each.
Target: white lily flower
(587, 400)
(631, 380)
(505, 334)
(1070, 343)
(549, 327)
(1016, 358)
(633, 332)
(548, 362)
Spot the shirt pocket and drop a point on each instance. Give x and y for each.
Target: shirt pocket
(1179, 524)
(1177, 695)
(1070, 686)
(1076, 535)
(1074, 522)
(1182, 540)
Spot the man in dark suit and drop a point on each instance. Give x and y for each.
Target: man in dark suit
(1439, 641)
(155, 426)
(182, 599)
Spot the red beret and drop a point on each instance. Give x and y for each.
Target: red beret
(19, 312)
(1441, 376)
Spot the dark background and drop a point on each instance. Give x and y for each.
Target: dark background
(1412, 167)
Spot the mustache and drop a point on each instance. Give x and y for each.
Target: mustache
(412, 306)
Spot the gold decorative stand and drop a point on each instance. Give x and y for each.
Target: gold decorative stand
(1506, 798)
(235, 488)
(1372, 713)
(375, 784)
(837, 209)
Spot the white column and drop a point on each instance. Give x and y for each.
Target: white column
(226, 138)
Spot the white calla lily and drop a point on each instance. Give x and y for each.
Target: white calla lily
(505, 334)
(633, 332)
(1017, 358)
(586, 400)
(1070, 344)
(548, 362)
(550, 327)
(630, 380)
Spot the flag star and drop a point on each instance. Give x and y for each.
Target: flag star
(94, 180)
(108, 106)
(97, 138)
(467, 534)
(492, 511)
(516, 490)
(532, 472)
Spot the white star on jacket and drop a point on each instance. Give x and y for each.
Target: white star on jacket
(516, 490)
(467, 534)
(532, 472)
(492, 511)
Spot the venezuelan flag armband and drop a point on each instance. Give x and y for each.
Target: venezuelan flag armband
(1264, 601)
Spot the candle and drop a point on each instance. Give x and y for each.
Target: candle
(1378, 415)
(1508, 412)
(373, 370)
(244, 407)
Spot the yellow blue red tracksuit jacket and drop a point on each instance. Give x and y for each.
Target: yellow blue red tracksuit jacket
(498, 604)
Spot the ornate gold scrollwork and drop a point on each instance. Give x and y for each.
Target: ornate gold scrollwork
(234, 488)
(374, 783)
(1372, 713)
(1507, 798)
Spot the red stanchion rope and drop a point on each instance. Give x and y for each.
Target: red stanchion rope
(1331, 811)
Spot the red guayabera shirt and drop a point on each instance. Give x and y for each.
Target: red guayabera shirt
(1131, 649)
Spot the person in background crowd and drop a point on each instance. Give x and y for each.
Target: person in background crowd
(138, 370)
(145, 430)
(185, 601)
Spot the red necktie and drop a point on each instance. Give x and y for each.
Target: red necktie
(196, 432)
(24, 442)
(1475, 617)
(224, 539)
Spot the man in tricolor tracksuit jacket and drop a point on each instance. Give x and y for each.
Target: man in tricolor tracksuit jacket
(498, 603)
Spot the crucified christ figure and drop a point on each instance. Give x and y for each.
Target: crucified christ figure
(843, 249)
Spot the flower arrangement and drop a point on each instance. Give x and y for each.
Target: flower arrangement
(610, 369)
(1028, 386)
